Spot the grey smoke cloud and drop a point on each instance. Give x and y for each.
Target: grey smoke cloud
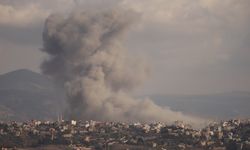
(87, 57)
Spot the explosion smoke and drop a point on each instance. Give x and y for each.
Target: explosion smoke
(86, 56)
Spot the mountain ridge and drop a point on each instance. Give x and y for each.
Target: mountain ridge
(26, 95)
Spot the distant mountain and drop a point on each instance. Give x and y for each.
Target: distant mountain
(215, 106)
(25, 80)
(26, 95)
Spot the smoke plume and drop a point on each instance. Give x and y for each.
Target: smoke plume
(86, 56)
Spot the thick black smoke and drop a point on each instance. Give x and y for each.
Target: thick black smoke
(86, 57)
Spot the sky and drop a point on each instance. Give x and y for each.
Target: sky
(192, 47)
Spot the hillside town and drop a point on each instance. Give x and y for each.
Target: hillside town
(88, 135)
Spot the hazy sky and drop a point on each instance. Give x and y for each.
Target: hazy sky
(192, 46)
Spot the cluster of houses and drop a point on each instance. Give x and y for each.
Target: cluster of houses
(232, 134)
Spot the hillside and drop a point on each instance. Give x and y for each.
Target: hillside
(28, 95)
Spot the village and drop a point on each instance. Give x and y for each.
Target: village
(226, 135)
